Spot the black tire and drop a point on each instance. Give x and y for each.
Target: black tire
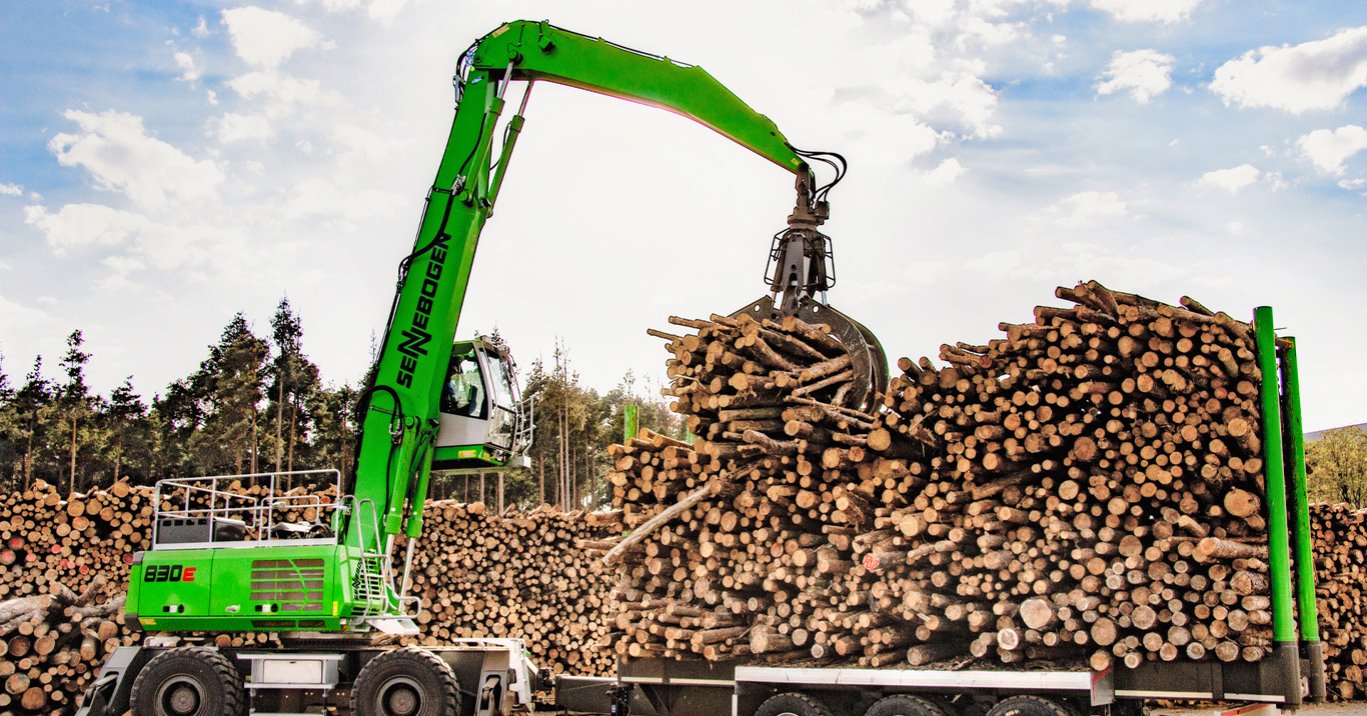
(187, 681)
(1027, 706)
(905, 705)
(794, 704)
(406, 682)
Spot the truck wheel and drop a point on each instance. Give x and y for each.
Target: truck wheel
(406, 682)
(904, 705)
(793, 704)
(1027, 706)
(188, 681)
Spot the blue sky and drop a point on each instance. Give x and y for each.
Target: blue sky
(164, 165)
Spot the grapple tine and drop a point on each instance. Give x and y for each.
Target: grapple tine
(867, 359)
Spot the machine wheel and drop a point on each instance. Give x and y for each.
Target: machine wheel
(1027, 706)
(794, 704)
(187, 681)
(904, 705)
(406, 682)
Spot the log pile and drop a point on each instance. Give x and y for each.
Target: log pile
(63, 569)
(51, 643)
(64, 564)
(1084, 487)
(1340, 543)
(741, 540)
(522, 575)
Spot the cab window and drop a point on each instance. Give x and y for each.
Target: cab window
(464, 393)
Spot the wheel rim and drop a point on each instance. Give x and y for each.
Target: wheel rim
(180, 696)
(399, 696)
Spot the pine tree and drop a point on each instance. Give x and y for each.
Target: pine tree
(294, 378)
(33, 405)
(130, 432)
(6, 390)
(76, 404)
(9, 428)
(334, 441)
(231, 385)
(176, 417)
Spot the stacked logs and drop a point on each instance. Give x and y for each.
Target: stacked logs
(51, 643)
(527, 575)
(1091, 487)
(1084, 487)
(1340, 546)
(63, 568)
(515, 575)
(741, 541)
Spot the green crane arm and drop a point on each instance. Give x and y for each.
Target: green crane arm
(541, 51)
(401, 409)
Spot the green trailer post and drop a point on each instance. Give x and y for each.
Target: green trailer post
(630, 421)
(1285, 648)
(1305, 556)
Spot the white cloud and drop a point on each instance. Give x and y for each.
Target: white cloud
(386, 10)
(265, 38)
(316, 197)
(357, 141)
(1134, 266)
(11, 190)
(281, 93)
(1147, 10)
(1329, 149)
(1297, 78)
(1235, 227)
(138, 240)
(201, 30)
(945, 174)
(186, 62)
(381, 10)
(933, 64)
(16, 317)
(77, 226)
(1143, 73)
(1086, 208)
(120, 156)
(1232, 179)
(883, 136)
(961, 100)
(334, 5)
(235, 127)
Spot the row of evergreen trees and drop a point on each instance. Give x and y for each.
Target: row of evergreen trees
(258, 404)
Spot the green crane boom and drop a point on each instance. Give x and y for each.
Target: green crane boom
(343, 577)
(399, 426)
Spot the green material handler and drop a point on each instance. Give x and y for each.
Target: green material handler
(223, 563)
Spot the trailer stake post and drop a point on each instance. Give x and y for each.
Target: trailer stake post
(1278, 542)
(1305, 556)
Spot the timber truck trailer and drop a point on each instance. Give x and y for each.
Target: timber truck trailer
(1291, 675)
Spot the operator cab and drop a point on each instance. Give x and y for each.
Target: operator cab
(484, 423)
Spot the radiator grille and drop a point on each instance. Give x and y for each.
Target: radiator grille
(293, 585)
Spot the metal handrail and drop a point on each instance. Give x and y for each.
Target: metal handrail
(258, 514)
(524, 426)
